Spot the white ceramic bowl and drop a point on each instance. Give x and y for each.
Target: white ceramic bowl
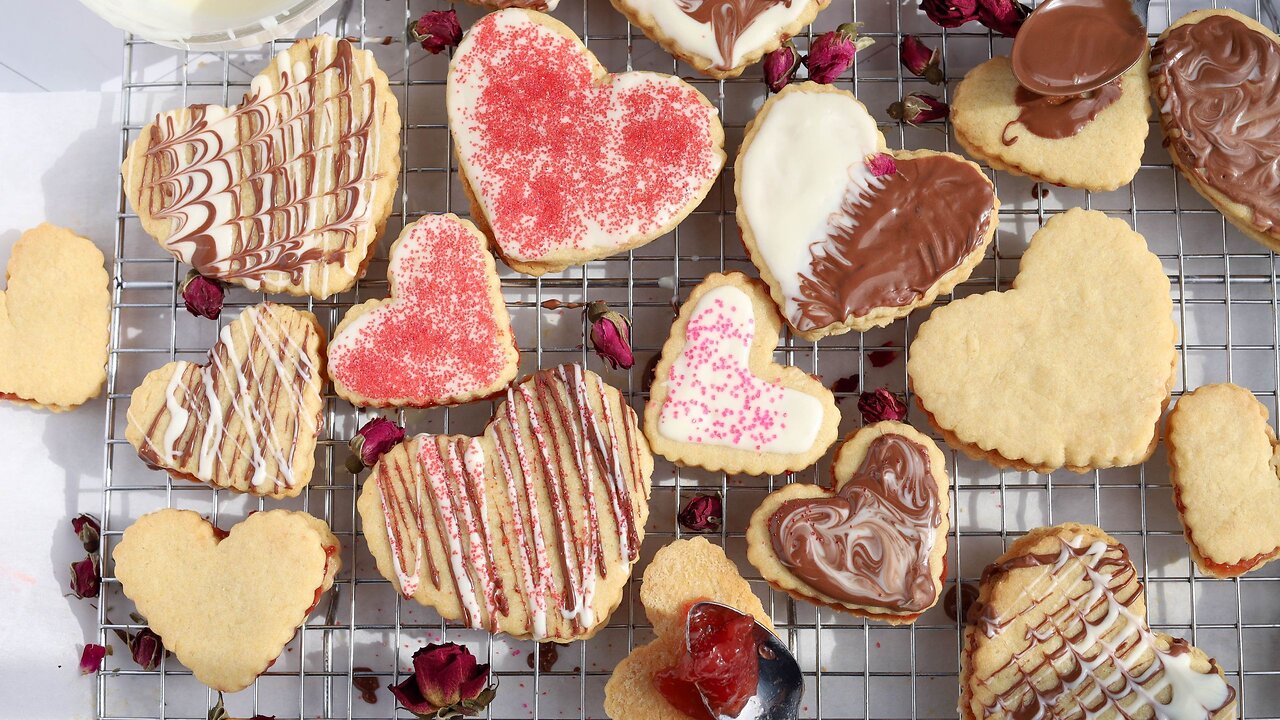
(209, 24)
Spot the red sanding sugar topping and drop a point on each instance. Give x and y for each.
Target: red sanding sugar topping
(437, 337)
(562, 162)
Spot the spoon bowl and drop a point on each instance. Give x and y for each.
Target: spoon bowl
(779, 684)
(1071, 47)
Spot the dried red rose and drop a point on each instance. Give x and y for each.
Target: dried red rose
(91, 658)
(950, 13)
(832, 52)
(610, 335)
(203, 296)
(880, 358)
(881, 405)
(146, 648)
(445, 677)
(87, 529)
(436, 31)
(920, 59)
(780, 66)
(1003, 16)
(881, 164)
(703, 513)
(85, 582)
(372, 440)
(919, 108)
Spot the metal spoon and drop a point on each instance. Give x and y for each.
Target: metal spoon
(780, 683)
(1070, 47)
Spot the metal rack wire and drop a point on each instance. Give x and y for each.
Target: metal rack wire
(1226, 302)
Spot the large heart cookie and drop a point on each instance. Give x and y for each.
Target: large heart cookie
(1070, 367)
(720, 37)
(55, 319)
(285, 192)
(1224, 460)
(875, 544)
(226, 603)
(844, 247)
(530, 529)
(719, 401)
(443, 337)
(564, 161)
(1215, 75)
(248, 418)
(1060, 631)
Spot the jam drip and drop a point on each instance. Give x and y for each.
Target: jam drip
(718, 669)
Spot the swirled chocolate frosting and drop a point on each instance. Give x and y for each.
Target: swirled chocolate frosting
(870, 543)
(728, 19)
(1218, 89)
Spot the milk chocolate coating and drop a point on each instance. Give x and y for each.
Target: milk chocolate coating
(1077, 43)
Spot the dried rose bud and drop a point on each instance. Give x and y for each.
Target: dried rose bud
(919, 108)
(1003, 16)
(832, 52)
(84, 578)
(610, 335)
(91, 658)
(702, 513)
(920, 59)
(146, 648)
(87, 529)
(881, 405)
(881, 164)
(436, 31)
(446, 677)
(950, 13)
(780, 66)
(372, 440)
(203, 296)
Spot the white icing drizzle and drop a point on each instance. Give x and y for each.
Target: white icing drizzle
(429, 457)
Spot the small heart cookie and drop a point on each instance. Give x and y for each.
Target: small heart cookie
(1094, 142)
(530, 529)
(718, 400)
(1215, 75)
(875, 544)
(1071, 367)
(1060, 631)
(565, 162)
(720, 37)
(832, 237)
(226, 603)
(247, 419)
(443, 337)
(1224, 460)
(285, 192)
(55, 317)
(681, 573)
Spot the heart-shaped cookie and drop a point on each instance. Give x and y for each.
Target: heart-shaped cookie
(720, 37)
(718, 400)
(543, 5)
(1225, 462)
(565, 162)
(1071, 367)
(845, 243)
(248, 418)
(285, 192)
(226, 603)
(530, 529)
(1093, 141)
(1060, 631)
(55, 317)
(443, 337)
(875, 544)
(1215, 75)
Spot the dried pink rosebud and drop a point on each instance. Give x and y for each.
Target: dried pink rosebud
(436, 31)
(780, 66)
(703, 513)
(832, 52)
(919, 108)
(1003, 16)
(446, 677)
(881, 164)
(203, 296)
(610, 335)
(85, 582)
(86, 528)
(881, 405)
(146, 648)
(372, 440)
(950, 13)
(920, 59)
(91, 658)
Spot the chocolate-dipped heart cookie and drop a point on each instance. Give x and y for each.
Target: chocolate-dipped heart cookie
(848, 234)
(1215, 75)
(875, 544)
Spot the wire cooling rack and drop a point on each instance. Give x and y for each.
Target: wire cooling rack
(362, 633)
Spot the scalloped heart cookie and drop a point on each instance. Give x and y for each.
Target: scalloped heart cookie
(442, 337)
(1071, 367)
